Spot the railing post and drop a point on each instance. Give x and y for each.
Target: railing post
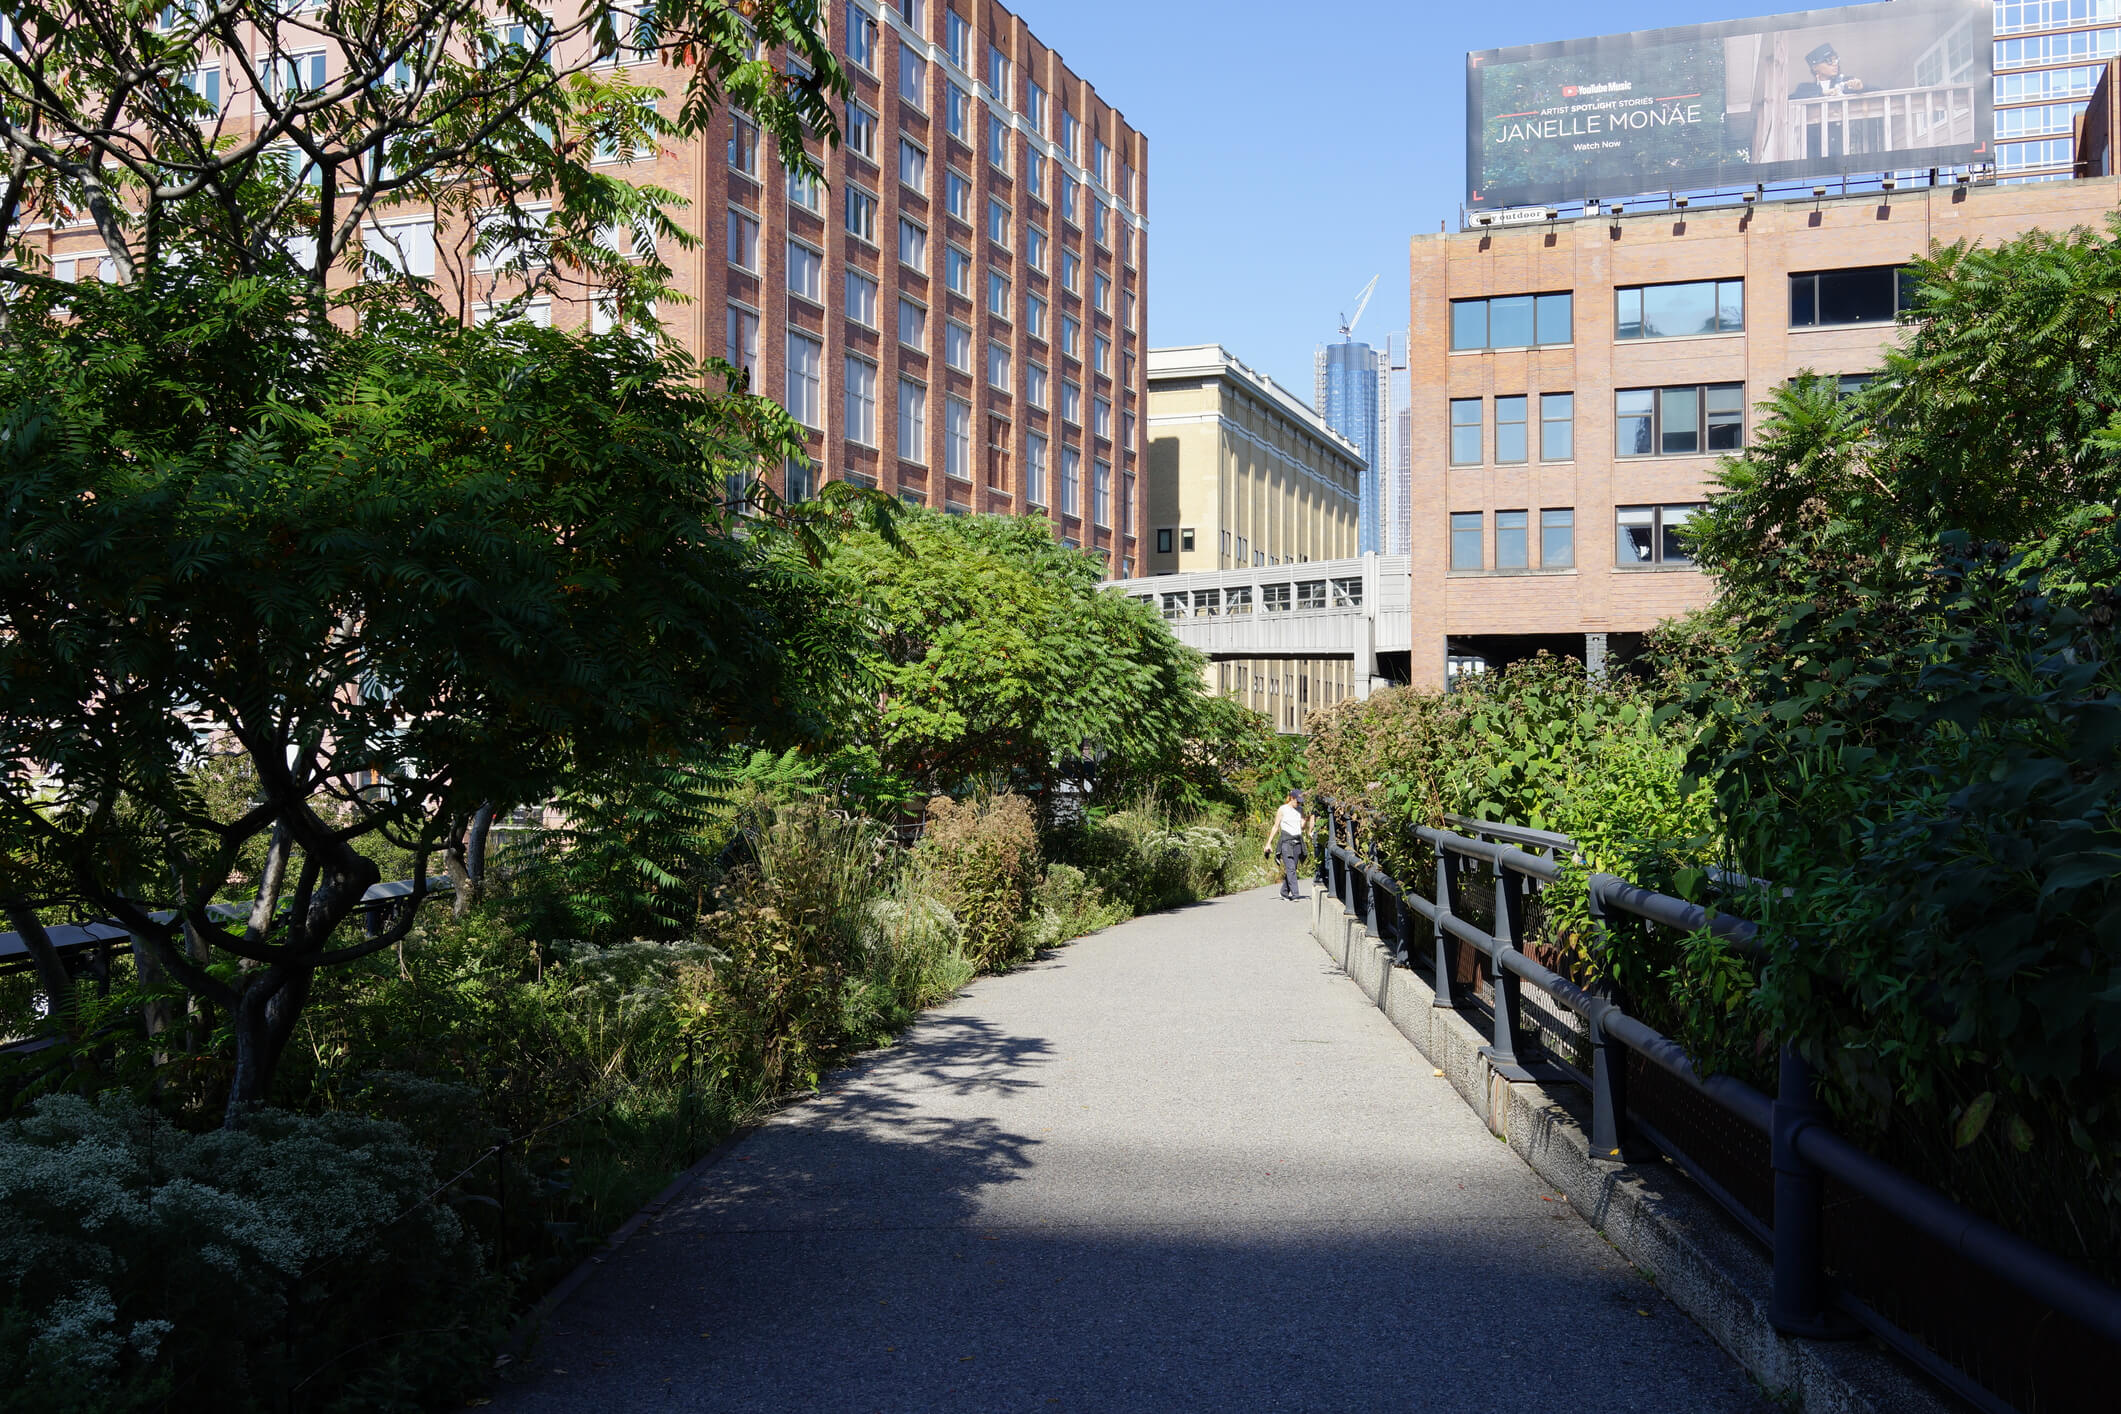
(1609, 1077)
(1795, 1306)
(1443, 938)
(1509, 915)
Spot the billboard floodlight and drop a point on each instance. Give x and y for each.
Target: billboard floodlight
(1818, 191)
(1679, 202)
(1887, 184)
(1964, 179)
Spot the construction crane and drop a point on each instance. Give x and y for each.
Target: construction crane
(1362, 302)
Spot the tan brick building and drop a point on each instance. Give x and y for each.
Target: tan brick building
(1575, 383)
(956, 314)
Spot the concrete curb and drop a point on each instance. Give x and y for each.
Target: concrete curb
(1651, 1213)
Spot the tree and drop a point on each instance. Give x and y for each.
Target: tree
(402, 572)
(1002, 661)
(463, 108)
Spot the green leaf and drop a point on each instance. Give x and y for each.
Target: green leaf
(1974, 1120)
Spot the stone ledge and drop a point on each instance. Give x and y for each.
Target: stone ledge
(1651, 1213)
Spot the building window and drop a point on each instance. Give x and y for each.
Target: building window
(912, 245)
(1035, 247)
(912, 421)
(912, 164)
(1876, 294)
(800, 478)
(998, 365)
(806, 272)
(912, 323)
(1071, 489)
(957, 271)
(743, 144)
(400, 247)
(997, 141)
(1557, 427)
(1101, 493)
(1557, 538)
(1101, 354)
(1510, 535)
(912, 76)
(861, 36)
(998, 72)
(1071, 135)
(1034, 316)
(1649, 535)
(861, 299)
(1101, 224)
(1467, 533)
(1678, 422)
(997, 294)
(1034, 170)
(1035, 385)
(860, 401)
(1035, 469)
(1127, 309)
(1126, 430)
(1101, 417)
(1163, 540)
(1679, 311)
(1512, 321)
(957, 438)
(957, 195)
(806, 364)
(1068, 191)
(1126, 503)
(957, 346)
(1071, 336)
(743, 344)
(1071, 408)
(1036, 107)
(806, 191)
(1101, 292)
(861, 131)
(1510, 431)
(861, 215)
(1465, 432)
(957, 112)
(1071, 271)
(998, 222)
(957, 37)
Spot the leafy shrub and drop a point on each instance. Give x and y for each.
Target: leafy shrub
(298, 1260)
(981, 858)
(1141, 861)
(1067, 905)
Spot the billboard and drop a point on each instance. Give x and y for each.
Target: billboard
(1862, 88)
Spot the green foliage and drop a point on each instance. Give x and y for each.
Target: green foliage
(1142, 859)
(147, 1268)
(981, 858)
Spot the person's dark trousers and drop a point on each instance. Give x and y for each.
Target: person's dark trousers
(1291, 855)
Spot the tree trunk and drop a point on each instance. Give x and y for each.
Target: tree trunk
(52, 974)
(475, 854)
(458, 868)
(161, 1013)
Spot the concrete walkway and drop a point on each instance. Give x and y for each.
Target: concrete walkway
(1179, 1165)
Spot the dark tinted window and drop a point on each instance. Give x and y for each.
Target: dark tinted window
(1871, 294)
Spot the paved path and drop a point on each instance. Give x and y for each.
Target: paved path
(1179, 1165)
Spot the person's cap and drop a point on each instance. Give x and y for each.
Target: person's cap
(1296, 795)
(1824, 54)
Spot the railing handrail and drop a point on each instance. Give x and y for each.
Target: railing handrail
(1794, 1121)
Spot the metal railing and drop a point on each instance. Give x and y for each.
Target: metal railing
(1805, 1152)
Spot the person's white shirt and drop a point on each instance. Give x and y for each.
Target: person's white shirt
(1289, 820)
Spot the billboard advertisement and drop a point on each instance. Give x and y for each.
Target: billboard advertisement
(1863, 88)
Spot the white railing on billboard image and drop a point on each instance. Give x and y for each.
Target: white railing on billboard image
(1888, 120)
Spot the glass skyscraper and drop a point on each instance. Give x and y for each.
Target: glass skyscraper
(2049, 54)
(1351, 399)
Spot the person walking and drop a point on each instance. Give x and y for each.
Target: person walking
(1286, 841)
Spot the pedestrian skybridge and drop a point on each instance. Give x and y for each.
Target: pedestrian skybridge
(1359, 609)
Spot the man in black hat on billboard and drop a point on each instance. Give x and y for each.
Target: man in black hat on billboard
(1827, 78)
(1831, 134)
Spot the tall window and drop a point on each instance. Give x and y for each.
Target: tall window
(997, 294)
(912, 244)
(912, 323)
(1678, 311)
(806, 272)
(912, 421)
(1071, 135)
(997, 141)
(1650, 535)
(998, 365)
(805, 191)
(861, 130)
(1035, 469)
(1100, 224)
(1101, 353)
(1512, 321)
(1071, 336)
(998, 222)
(1467, 532)
(1126, 503)
(1510, 548)
(1071, 479)
(1101, 291)
(743, 144)
(957, 346)
(806, 380)
(998, 72)
(1465, 432)
(1071, 271)
(861, 299)
(957, 438)
(1068, 190)
(957, 38)
(1035, 384)
(1875, 294)
(1035, 247)
(743, 344)
(1034, 170)
(1683, 421)
(1035, 107)
(1557, 538)
(1035, 316)
(1101, 417)
(403, 247)
(1071, 408)
(912, 76)
(1510, 440)
(957, 196)
(1101, 492)
(957, 112)
(957, 271)
(861, 215)
(861, 36)
(1557, 427)
(860, 401)
(912, 164)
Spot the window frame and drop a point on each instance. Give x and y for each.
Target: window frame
(1903, 287)
(1486, 305)
(1568, 422)
(1640, 323)
(1661, 533)
(1468, 415)
(913, 426)
(858, 413)
(1706, 421)
(1548, 525)
(1463, 524)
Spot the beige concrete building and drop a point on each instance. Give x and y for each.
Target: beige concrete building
(1243, 474)
(1575, 384)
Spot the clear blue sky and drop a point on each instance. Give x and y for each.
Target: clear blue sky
(1292, 151)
